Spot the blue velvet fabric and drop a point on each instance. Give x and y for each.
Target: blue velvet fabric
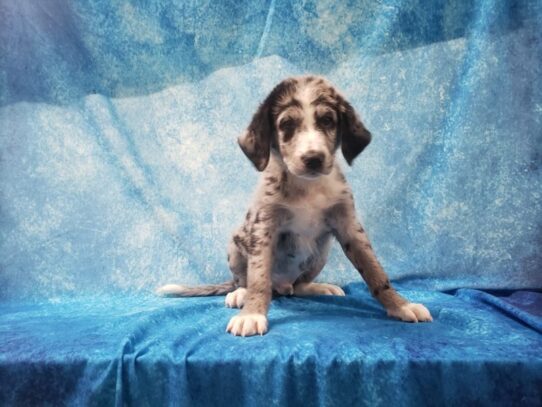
(119, 171)
(482, 349)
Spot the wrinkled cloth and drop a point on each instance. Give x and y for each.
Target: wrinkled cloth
(120, 168)
(120, 172)
(144, 350)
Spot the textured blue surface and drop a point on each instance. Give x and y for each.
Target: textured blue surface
(119, 171)
(343, 351)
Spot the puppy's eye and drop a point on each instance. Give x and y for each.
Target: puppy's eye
(327, 121)
(287, 125)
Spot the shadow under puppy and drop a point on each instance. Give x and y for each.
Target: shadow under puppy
(301, 203)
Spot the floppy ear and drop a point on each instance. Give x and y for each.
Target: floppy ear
(256, 140)
(354, 136)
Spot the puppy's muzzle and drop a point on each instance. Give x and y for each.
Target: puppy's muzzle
(313, 161)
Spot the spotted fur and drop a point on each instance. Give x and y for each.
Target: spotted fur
(301, 202)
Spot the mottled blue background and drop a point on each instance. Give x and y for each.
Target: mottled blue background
(120, 171)
(118, 126)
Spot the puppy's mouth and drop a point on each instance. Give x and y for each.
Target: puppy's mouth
(310, 174)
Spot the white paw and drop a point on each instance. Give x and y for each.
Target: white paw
(318, 289)
(236, 299)
(284, 289)
(247, 325)
(411, 313)
(330, 289)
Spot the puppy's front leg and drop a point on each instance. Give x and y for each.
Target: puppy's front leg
(355, 243)
(252, 319)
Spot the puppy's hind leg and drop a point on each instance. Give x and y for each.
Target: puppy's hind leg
(307, 289)
(304, 285)
(238, 266)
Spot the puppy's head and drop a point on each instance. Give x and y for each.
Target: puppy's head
(304, 121)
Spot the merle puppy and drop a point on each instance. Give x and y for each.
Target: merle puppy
(301, 203)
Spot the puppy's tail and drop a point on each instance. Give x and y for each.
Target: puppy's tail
(174, 290)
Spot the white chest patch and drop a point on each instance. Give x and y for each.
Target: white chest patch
(305, 229)
(308, 212)
(307, 221)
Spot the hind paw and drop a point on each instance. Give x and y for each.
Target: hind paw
(236, 299)
(304, 289)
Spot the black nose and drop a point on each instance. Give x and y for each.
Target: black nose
(313, 161)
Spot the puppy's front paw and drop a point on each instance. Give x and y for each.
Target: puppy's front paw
(247, 325)
(411, 313)
(236, 298)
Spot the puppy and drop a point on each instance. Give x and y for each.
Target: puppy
(301, 203)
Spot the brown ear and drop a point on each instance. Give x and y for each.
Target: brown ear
(256, 140)
(354, 136)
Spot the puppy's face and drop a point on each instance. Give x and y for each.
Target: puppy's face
(303, 121)
(306, 128)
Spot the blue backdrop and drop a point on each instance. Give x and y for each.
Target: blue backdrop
(120, 168)
(120, 171)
